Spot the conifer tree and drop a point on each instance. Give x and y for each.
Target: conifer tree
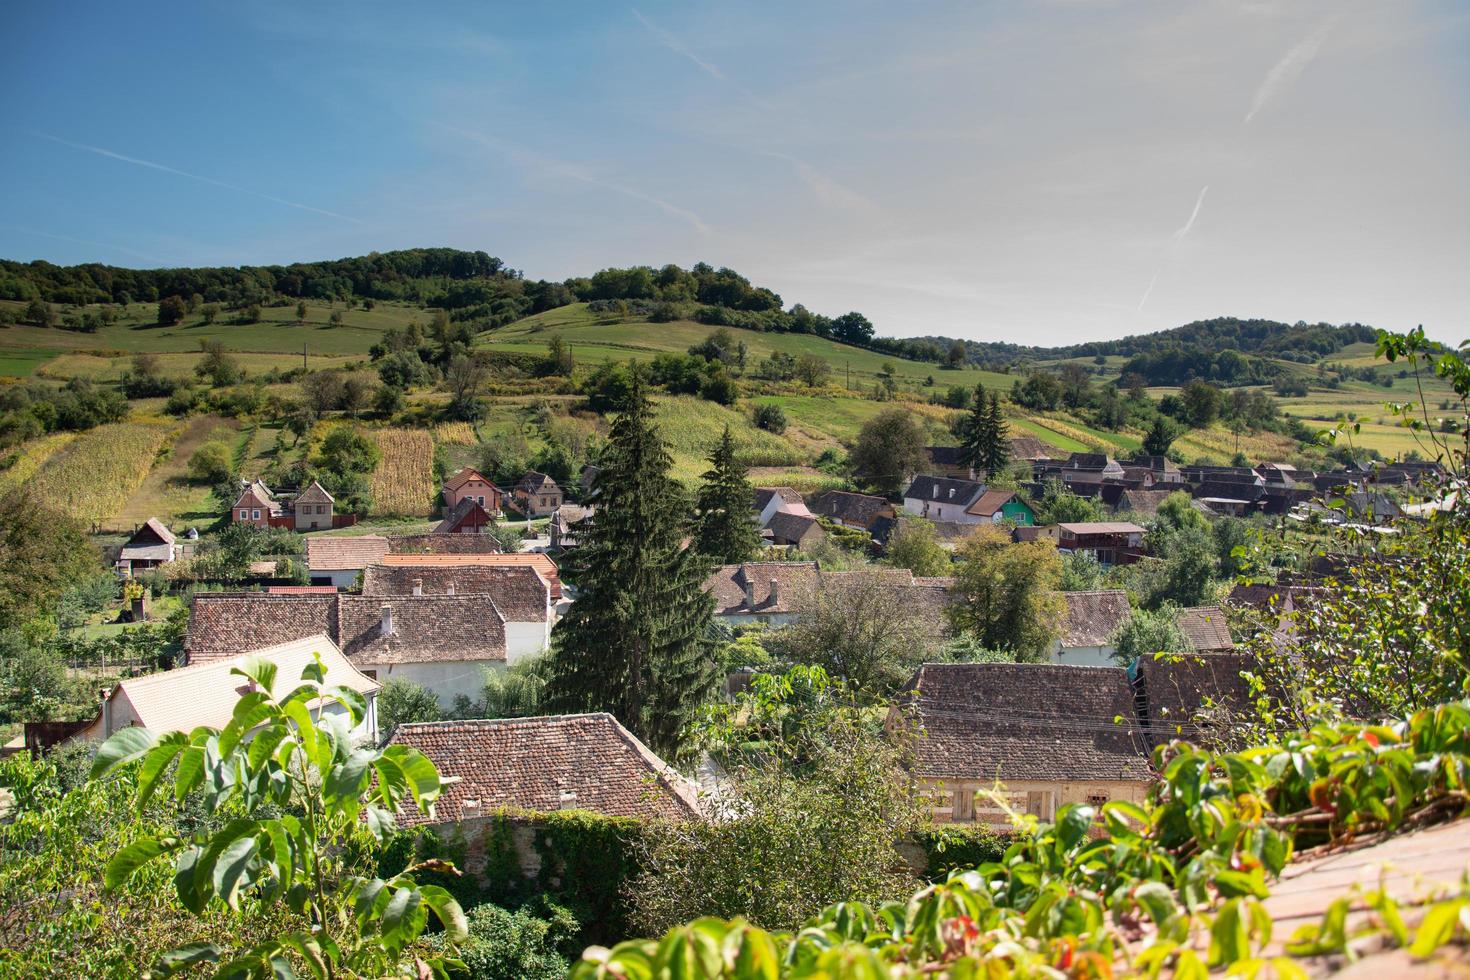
(974, 439)
(725, 531)
(635, 643)
(997, 438)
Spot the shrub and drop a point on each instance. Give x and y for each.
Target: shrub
(402, 702)
(953, 848)
(518, 945)
(770, 417)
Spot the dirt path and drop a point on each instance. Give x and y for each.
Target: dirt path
(165, 493)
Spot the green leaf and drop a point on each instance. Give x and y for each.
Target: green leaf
(231, 870)
(392, 783)
(1437, 928)
(350, 777)
(259, 670)
(314, 671)
(156, 761)
(402, 905)
(123, 747)
(310, 950)
(250, 710)
(264, 744)
(456, 926)
(1234, 884)
(355, 703)
(1073, 823)
(176, 959)
(423, 778)
(305, 726)
(283, 852)
(127, 861)
(186, 884)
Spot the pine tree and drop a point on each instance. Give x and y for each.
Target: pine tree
(725, 531)
(635, 641)
(997, 438)
(974, 435)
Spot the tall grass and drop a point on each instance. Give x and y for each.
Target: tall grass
(93, 477)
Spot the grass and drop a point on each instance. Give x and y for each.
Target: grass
(1048, 435)
(403, 482)
(166, 492)
(93, 477)
(692, 426)
(278, 338)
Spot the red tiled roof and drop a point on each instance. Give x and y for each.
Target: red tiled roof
(584, 762)
(465, 476)
(341, 554)
(990, 502)
(1093, 616)
(533, 559)
(519, 591)
(1205, 628)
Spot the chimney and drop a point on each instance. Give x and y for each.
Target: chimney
(469, 809)
(449, 589)
(775, 592)
(749, 592)
(568, 800)
(386, 627)
(418, 586)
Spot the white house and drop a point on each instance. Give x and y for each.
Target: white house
(770, 501)
(1087, 630)
(939, 498)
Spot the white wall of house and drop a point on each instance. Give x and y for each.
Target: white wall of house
(524, 640)
(119, 712)
(778, 505)
(941, 510)
(344, 578)
(444, 678)
(743, 619)
(1082, 656)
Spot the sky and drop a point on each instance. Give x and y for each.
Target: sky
(1034, 171)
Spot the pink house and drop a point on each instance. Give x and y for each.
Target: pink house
(470, 484)
(255, 505)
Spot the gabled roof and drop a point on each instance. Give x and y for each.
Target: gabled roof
(1029, 448)
(315, 494)
(989, 503)
(534, 482)
(1205, 628)
(727, 584)
(342, 554)
(1092, 617)
(1022, 722)
(569, 514)
(584, 762)
(461, 512)
(206, 694)
(1088, 461)
(223, 624)
(256, 496)
(152, 532)
(792, 527)
(1144, 503)
(941, 489)
(465, 476)
(763, 496)
(1176, 687)
(532, 559)
(852, 508)
(444, 544)
(520, 593)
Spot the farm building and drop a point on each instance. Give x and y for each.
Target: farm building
(473, 485)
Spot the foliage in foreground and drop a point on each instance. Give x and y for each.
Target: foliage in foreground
(299, 785)
(1174, 887)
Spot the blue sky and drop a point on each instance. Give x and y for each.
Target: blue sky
(1042, 172)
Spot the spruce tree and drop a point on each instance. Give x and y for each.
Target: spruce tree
(997, 437)
(635, 643)
(974, 435)
(725, 531)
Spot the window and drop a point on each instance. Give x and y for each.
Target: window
(255, 515)
(371, 674)
(1096, 799)
(244, 515)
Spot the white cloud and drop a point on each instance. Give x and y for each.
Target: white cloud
(1285, 71)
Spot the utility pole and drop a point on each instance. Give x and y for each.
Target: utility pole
(303, 355)
(849, 375)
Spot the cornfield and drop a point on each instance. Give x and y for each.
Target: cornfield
(30, 457)
(93, 477)
(455, 434)
(403, 483)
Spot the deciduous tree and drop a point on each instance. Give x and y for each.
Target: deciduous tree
(1009, 598)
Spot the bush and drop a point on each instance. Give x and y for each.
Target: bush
(211, 463)
(402, 702)
(518, 945)
(947, 849)
(771, 418)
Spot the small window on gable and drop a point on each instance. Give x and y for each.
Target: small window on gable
(1096, 799)
(255, 515)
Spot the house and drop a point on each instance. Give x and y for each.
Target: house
(949, 461)
(537, 495)
(1371, 507)
(561, 762)
(1029, 448)
(151, 545)
(564, 521)
(444, 642)
(206, 693)
(1227, 506)
(1141, 503)
(770, 501)
(1206, 629)
(465, 517)
(1088, 625)
(855, 510)
(256, 505)
(1280, 474)
(520, 593)
(1162, 467)
(541, 563)
(1191, 696)
(772, 593)
(939, 498)
(1048, 734)
(313, 508)
(1100, 463)
(473, 485)
(996, 505)
(1111, 542)
(338, 561)
(794, 530)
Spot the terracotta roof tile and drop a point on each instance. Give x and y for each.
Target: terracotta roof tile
(444, 544)
(1092, 617)
(1022, 722)
(527, 559)
(585, 762)
(315, 494)
(459, 513)
(1205, 628)
(465, 476)
(990, 502)
(519, 592)
(1177, 686)
(852, 508)
(340, 554)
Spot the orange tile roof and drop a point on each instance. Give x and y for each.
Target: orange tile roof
(535, 560)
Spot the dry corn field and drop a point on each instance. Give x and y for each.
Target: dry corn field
(455, 434)
(93, 477)
(30, 457)
(403, 483)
